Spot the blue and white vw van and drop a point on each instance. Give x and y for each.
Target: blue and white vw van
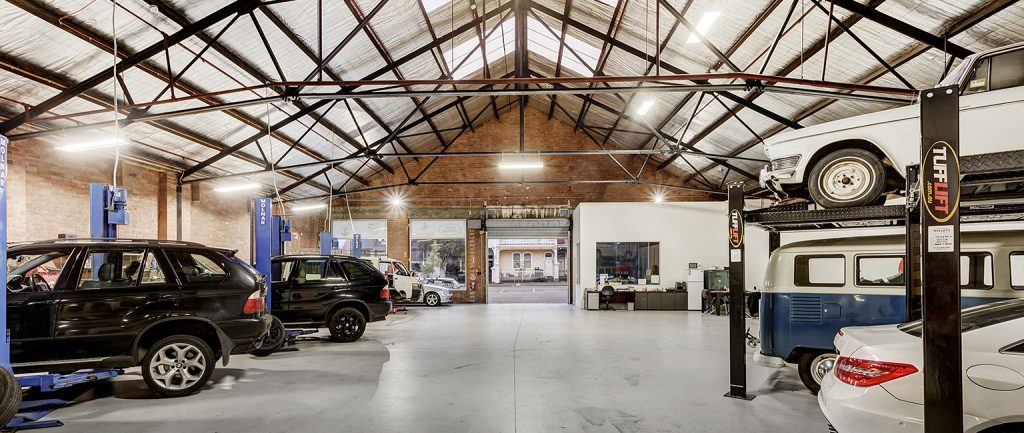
(814, 288)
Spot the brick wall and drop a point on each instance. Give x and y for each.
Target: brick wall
(467, 201)
(48, 195)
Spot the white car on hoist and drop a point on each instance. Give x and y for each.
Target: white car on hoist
(852, 161)
(407, 287)
(877, 384)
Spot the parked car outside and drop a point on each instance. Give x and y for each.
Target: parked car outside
(877, 385)
(172, 308)
(341, 293)
(850, 162)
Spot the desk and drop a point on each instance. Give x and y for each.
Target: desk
(719, 297)
(662, 300)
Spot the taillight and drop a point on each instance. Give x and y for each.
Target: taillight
(864, 373)
(255, 304)
(385, 294)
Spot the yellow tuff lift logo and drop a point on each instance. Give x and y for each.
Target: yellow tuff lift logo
(941, 197)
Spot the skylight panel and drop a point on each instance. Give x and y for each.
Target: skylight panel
(433, 5)
(704, 25)
(500, 42)
(611, 3)
(545, 44)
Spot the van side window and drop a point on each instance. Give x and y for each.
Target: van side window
(821, 270)
(1017, 270)
(880, 271)
(975, 271)
(1016, 349)
(1007, 70)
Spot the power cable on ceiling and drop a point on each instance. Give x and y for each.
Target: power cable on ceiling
(117, 126)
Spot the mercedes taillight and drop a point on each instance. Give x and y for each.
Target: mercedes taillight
(865, 373)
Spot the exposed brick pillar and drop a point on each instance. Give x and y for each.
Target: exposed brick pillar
(161, 206)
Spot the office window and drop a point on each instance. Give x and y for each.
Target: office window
(438, 248)
(517, 261)
(528, 261)
(975, 271)
(821, 270)
(880, 271)
(628, 262)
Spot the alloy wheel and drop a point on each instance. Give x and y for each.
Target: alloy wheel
(178, 366)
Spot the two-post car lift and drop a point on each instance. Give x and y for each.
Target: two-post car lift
(942, 191)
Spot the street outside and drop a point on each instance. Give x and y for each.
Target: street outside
(528, 293)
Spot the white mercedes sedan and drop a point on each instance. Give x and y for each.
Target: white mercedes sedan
(877, 386)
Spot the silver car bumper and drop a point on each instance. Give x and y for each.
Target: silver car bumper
(772, 179)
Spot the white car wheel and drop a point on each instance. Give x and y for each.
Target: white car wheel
(847, 178)
(814, 367)
(432, 299)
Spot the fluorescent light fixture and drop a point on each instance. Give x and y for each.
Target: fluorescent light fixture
(237, 187)
(520, 165)
(433, 5)
(92, 145)
(705, 24)
(645, 106)
(306, 207)
(658, 198)
(396, 201)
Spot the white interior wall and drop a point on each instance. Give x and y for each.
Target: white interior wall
(687, 232)
(690, 232)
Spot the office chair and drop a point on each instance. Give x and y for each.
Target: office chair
(606, 297)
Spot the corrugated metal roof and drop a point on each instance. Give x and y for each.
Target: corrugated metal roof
(51, 44)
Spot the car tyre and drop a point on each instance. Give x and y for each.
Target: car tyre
(178, 365)
(432, 299)
(273, 341)
(346, 324)
(847, 178)
(813, 367)
(10, 396)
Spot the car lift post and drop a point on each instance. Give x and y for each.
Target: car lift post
(357, 245)
(281, 233)
(326, 241)
(107, 210)
(261, 243)
(737, 310)
(5, 345)
(940, 260)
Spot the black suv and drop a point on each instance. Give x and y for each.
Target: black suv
(344, 293)
(174, 308)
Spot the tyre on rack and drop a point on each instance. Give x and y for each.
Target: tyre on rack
(813, 367)
(10, 396)
(178, 365)
(847, 178)
(273, 341)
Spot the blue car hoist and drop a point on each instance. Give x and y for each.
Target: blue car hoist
(107, 210)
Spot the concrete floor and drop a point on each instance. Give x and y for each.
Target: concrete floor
(477, 368)
(528, 293)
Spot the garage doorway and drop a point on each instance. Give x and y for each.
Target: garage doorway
(528, 261)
